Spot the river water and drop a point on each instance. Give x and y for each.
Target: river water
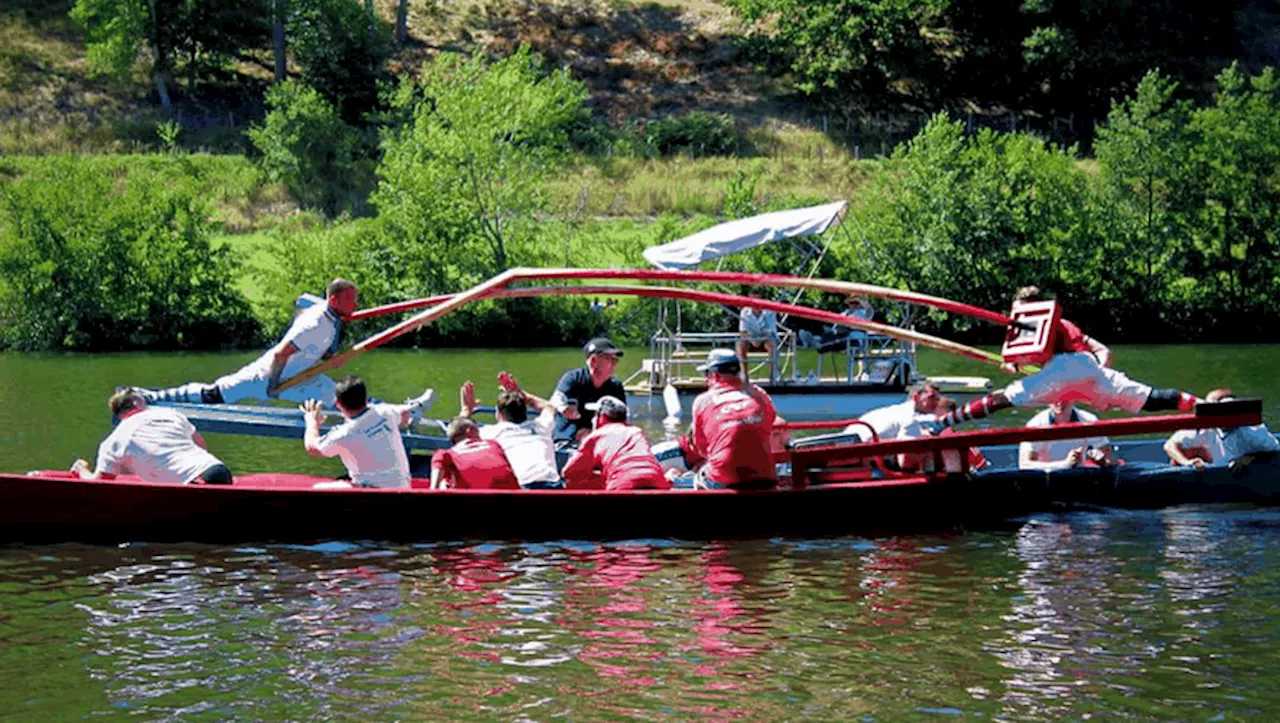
(1166, 615)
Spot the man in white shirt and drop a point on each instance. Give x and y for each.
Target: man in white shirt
(1236, 446)
(369, 441)
(901, 420)
(157, 444)
(1064, 453)
(313, 335)
(528, 443)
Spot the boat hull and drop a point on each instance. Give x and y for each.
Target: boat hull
(283, 507)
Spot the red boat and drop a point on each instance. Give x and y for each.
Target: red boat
(837, 487)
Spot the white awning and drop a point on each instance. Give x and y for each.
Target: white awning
(746, 233)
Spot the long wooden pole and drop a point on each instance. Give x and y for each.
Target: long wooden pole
(724, 277)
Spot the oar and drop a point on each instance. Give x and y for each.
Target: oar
(450, 303)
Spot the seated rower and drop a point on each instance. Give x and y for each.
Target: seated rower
(1236, 446)
(527, 442)
(1078, 371)
(1064, 453)
(580, 387)
(368, 441)
(155, 443)
(471, 463)
(732, 428)
(1198, 448)
(616, 455)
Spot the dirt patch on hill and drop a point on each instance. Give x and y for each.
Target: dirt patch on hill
(639, 61)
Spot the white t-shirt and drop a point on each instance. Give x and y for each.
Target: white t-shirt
(758, 325)
(892, 422)
(1207, 439)
(312, 333)
(528, 446)
(1248, 440)
(157, 445)
(371, 447)
(1056, 450)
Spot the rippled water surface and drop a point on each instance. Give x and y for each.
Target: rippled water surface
(1160, 615)
(1170, 615)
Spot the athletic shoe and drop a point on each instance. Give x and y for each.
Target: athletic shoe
(420, 404)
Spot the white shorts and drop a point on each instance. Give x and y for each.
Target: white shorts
(1077, 377)
(251, 384)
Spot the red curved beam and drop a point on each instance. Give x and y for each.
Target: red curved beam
(496, 288)
(725, 277)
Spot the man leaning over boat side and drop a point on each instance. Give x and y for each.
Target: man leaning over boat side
(1058, 454)
(585, 385)
(313, 335)
(527, 442)
(471, 462)
(368, 441)
(157, 444)
(1079, 371)
(730, 439)
(1237, 446)
(616, 455)
(891, 421)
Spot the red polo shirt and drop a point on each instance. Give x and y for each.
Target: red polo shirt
(618, 457)
(732, 424)
(475, 464)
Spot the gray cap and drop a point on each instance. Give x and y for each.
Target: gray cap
(721, 360)
(609, 406)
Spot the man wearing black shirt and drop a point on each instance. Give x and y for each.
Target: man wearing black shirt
(582, 386)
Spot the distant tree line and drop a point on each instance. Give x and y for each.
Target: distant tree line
(1040, 56)
(1170, 234)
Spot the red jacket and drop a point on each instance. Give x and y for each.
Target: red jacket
(475, 464)
(732, 424)
(615, 456)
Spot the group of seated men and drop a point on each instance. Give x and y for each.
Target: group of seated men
(730, 441)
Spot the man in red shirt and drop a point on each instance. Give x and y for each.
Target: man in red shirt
(471, 463)
(732, 425)
(1080, 371)
(615, 455)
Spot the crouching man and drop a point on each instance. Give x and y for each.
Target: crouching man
(615, 455)
(155, 443)
(368, 441)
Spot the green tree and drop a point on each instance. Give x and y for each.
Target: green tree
(841, 50)
(340, 51)
(973, 217)
(1235, 186)
(459, 184)
(307, 146)
(1142, 153)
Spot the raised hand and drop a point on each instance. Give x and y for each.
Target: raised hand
(508, 382)
(467, 397)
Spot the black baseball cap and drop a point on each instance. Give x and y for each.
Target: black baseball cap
(601, 345)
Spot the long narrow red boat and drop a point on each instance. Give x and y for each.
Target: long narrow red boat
(836, 488)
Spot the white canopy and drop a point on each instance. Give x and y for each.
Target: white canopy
(746, 233)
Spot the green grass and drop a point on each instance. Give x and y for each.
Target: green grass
(253, 252)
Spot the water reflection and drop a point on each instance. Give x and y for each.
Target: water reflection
(1146, 615)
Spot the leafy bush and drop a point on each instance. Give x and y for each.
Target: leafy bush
(87, 262)
(695, 134)
(307, 146)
